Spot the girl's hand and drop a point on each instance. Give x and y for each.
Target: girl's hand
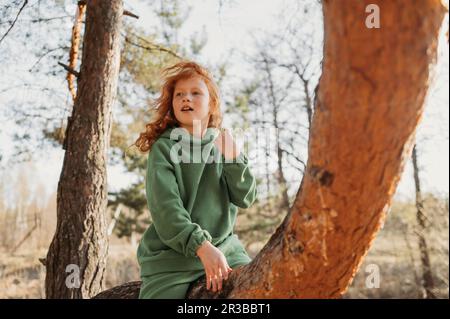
(226, 145)
(215, 264)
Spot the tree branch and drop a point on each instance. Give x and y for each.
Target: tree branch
(38, 20)
(130, 14)
(69, 69)
(44, 55)
(156, 47)
(14, 22)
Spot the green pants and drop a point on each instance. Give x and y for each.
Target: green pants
(168, 285)
(172, 285)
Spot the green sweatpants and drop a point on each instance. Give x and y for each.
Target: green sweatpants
(172, 285)
(168, 285)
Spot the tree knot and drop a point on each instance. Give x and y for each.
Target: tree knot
(324, 177)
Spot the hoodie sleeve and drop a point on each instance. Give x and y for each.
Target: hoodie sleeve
(240, 181)
(171, 220)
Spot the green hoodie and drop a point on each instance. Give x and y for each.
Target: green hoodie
(192, 202)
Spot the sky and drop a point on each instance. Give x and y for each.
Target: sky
(231, 29)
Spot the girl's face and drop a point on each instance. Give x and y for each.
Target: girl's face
(191, 102)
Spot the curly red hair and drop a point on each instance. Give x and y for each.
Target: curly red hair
(164, 116)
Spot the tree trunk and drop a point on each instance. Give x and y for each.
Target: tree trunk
(370, 99)
(80, 240)
(308, 103)
(427, 276)
(280, 176)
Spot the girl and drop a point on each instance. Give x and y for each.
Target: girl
(193, 204)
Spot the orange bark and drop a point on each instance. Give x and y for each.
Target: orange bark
(75, 44)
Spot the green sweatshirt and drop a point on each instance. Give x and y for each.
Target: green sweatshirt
(192, 202)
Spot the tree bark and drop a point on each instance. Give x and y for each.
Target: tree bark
(368, 104)
(80, 239)
(427, 275)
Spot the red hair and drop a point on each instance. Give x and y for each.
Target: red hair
(164, 116)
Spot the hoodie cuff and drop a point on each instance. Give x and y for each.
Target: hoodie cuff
(196, 241)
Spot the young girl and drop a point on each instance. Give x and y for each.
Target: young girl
(193, 203)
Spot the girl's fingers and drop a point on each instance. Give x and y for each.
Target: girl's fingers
(211, 281)
(219, 280)
(214, 283)
(225, 273)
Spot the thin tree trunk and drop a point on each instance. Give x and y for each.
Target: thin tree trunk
(267, 170)
(413, 264)
(309, 104)
(262, 130)
(281, 179)
(427, 276)
(275, 105)
(370, 99)
(80, 240)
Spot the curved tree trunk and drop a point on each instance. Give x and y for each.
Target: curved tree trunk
(368, 104)
(80, 241)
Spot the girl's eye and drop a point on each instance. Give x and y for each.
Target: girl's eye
(181, 94)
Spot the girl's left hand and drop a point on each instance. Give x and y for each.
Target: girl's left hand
(226, 145)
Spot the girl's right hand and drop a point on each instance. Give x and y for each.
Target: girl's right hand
(215, 264)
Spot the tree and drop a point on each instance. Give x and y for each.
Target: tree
(427, 275)
(368, 104)
(80, 238)
(132, 220)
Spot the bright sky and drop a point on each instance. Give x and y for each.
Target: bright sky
(231, 29)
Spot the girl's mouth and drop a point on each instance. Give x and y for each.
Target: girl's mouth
(187, 109)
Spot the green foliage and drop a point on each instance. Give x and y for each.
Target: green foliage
(132, 219)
